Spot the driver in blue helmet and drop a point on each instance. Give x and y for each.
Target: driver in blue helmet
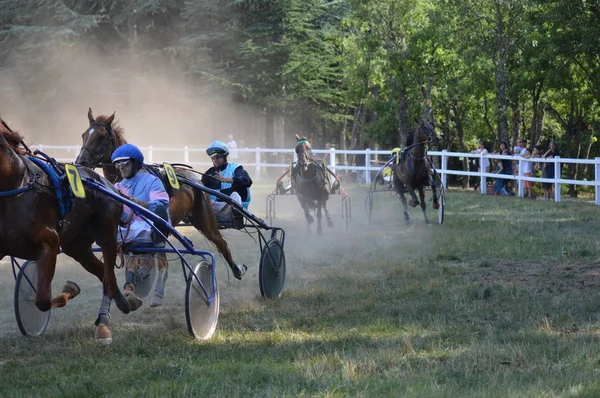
(147, 191)
(230, 179)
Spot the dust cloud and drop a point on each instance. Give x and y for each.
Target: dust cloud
(156, 102)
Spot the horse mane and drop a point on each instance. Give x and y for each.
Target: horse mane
(117, 130)
(13, 138)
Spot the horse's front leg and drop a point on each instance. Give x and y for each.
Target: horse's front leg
(434, 191)
(414, 201)
(327, 216)
(46, 267)
(424, 205)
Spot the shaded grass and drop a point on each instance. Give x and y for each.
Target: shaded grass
(501, 300)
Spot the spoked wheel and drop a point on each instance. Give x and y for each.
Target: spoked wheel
(202, 309)
(441, 195)
(271, 208)
(369, 206)
(144, 283)
(272, 269)
(441, 202)
(346, 205)
(31, 321)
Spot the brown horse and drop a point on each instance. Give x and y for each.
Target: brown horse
(311, 184)
(32, 228)
(99, 142)
(413, 172)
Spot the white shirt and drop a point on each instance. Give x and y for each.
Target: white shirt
(233, 149)
(485, 162)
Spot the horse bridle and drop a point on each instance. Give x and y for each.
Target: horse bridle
(304, 154)
(111, 139)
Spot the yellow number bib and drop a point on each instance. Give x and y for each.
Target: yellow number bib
(171, 175)
(75, 181)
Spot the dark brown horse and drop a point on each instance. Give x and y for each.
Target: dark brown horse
(99, 142)
(413, 172)
(311, 183)
(32, 228)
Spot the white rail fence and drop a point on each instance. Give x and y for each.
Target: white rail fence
(260, 160)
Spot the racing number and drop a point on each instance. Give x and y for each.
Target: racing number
(171, 176)
(75, 181)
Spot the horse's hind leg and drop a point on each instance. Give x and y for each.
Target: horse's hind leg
(163, 273)
(46, 267)
(405, 205)
(424, 205)
(203, 219)
(319, 227)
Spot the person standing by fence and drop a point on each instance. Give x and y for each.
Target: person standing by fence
(484, 163)
(548, 170)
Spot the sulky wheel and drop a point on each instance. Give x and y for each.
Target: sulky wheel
(346, 213)
(271, 209)
(272, 269)
(369, 206)
(31, 321)
(442, 203)
(202, 308)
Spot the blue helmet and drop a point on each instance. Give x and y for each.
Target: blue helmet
(127, 151)
(217, 147)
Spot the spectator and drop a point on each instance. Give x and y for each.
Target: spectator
(503, 166)
(548, 170)
(484, 162)
(232, 146)
(526, 170)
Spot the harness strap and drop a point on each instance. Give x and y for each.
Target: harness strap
(17, 191)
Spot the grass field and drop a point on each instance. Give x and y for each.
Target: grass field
(500, 301)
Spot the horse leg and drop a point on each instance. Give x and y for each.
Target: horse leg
(424, 205)
(405, 205)
(203, 219)
(163, 273)
(414, 201)
(434, 191)
(327, 216)
(319, 227)
(46, 267)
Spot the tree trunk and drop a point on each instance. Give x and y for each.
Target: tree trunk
(402, 116)
(500, 74)
(461, 139)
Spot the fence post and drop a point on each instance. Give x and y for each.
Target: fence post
(332, 159)
(520, 185)
(482, 184)
(186, 154)
(597, 180)
(444, 165)
(257, 161)
(367, 163)
(557, 176)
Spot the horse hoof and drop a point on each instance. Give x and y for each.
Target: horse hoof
(103, 335)
(310, 219)
(71, 288)
(427, 222)
(413, 203)
(156, 301)
(436, 205)
(133, 300)
(239, 271)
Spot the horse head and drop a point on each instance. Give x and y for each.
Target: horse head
(426, 133)
(303, 151)
(11, 139)
(99, 141)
